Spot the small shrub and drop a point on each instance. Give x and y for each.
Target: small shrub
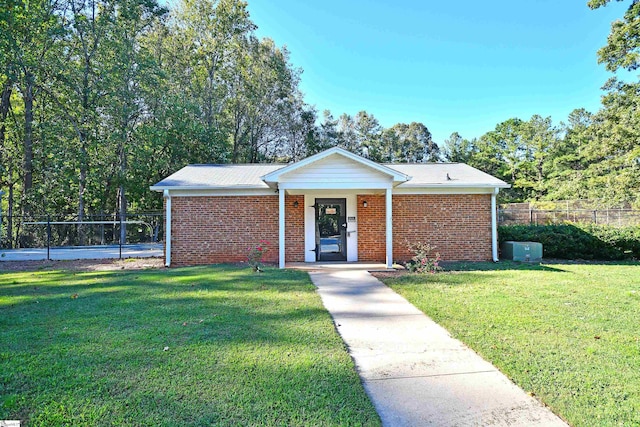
(256, 254)
(422, 261)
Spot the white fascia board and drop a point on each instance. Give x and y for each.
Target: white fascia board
(208, 188)
(332, 186)
(397, 176)
(456, 185)
(222, 192)
(443, 190)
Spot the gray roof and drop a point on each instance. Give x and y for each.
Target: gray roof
(218, 177)
(248, 176)
(445, 174)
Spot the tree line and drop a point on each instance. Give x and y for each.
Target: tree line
(101, 98)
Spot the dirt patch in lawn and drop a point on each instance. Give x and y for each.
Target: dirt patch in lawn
(386, 274)
(84, 264)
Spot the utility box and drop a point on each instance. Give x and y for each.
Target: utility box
(522, 251)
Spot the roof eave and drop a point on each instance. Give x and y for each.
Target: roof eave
(457, 185)
(207, 187)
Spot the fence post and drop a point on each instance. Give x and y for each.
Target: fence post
(1, 193)
(120, 236)
(102, 228)
(48, 237)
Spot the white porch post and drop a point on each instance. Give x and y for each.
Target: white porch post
(494, 226)
(167, 230)
(281, 227)
(389, 228)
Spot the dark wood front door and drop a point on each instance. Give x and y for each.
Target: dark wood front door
(331, 230)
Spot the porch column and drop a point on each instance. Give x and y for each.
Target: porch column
(167, 230)
(281, 227)
(494, 226)
(389, 228)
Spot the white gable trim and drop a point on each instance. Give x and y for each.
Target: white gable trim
(444, 190)
(274, 177)
(210, 188)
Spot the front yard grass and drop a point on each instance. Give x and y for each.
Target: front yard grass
(567, 333)
(192, 346)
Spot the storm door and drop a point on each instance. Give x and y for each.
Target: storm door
(331, 230)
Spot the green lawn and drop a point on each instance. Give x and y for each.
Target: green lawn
(568, 334)
(90, 348)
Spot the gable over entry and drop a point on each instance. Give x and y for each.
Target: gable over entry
(332, 170)
(280, 202)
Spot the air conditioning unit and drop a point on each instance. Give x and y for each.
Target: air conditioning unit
(522, 251)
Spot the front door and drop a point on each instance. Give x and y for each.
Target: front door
(331, 230)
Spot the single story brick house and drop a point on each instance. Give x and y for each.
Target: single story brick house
(333, 206)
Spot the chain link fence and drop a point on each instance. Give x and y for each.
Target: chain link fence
(566, 211)
(42, 231)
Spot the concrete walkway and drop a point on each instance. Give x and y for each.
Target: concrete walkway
(415, 373)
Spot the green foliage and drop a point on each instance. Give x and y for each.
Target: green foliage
(255, 255)
(119, 94)
(516, 151)
(424, 259)
(623, 44)
(363, 135)
(457, 149)
(101, 99)
(408, 143)
(578, 241)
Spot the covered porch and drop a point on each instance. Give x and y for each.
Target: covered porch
(336, 225)
(333, 186)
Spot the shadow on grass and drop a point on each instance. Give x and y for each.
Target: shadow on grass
(497, 266)
(200, 345)
(546, 265)
(158, 309)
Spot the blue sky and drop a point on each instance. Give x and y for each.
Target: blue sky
(454, 66)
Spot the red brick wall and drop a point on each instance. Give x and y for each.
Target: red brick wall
(458, 225)
(217, 229)
(371, 228)
(294, 229)
(209, 230)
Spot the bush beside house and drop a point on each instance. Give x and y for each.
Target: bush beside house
(578, 241)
